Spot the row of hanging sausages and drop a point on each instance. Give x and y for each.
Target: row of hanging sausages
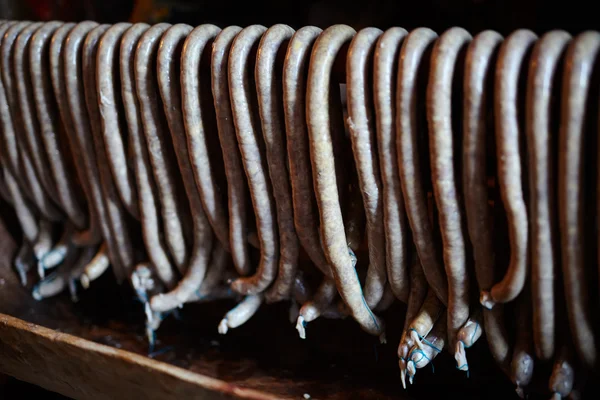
(205, 163)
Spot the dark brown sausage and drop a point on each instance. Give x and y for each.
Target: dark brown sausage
(394, 215)
(160, 151)
(168, 72)
(334, 239)
(269, 90)
(92, 235)
(445, 56)
(254, 160)
(237, 188)
(542, 140)
(113, 124)
(146, 187)
(412, 131)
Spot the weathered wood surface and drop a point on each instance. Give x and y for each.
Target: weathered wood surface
(85, 370)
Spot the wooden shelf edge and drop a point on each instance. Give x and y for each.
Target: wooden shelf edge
(82, 369)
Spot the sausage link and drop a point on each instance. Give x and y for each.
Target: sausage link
(252, 149)
(160, 151)
(442, 138)
(113, 124)
(237, 190)
(412, 131)
(581, 59)
(394, 215)
(513, 53)
(541, 148)
(146, 187)
(335, 245)
(168, 71)
(269, 90)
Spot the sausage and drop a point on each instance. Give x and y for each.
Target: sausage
(24, 261)
(219, 261)
(20, 160)
(313, 309)
(445, 56)
(113, 124)
(541, 148)
(55, 283)
(237, 190)
(160, 151)
(435, 343)
(466, 337)
(23, 91)
(197, 130)
(522, 363)
(25, 214)
(83, 135)
(364, 147)
(49, 124)
(579, 63)
(479, 66)
(92, 235)
(420, 325)
(563, 373)
(269, 91)
(57, 254)
(411, 138)
(146, 187)
(394, 216)
(306, 219)
(252, 149)
(120, 238)
(43, 241)
(96, 267)
(168, 71)
(241, 313)
(334, 239)
(513, 52)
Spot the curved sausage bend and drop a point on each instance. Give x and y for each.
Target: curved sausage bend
(119, 237)
(541, 144)
(479, 74)
(146, 187)
(168, 71)
(580, 61)
(412, 136)
(82, 132)
(91, 234)
(198, 131)
(16, 147)
(513, 52)
(387, 52)
(254, 160)
(442, 137)
(237, 188)
(159, 150)
(241, 313)
(113, 125)
(30, 128)
(269, 90)
(306, 219)
(334, 240)
(49, 124)
(361, 124)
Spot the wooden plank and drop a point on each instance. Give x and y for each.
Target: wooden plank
(82, 369)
